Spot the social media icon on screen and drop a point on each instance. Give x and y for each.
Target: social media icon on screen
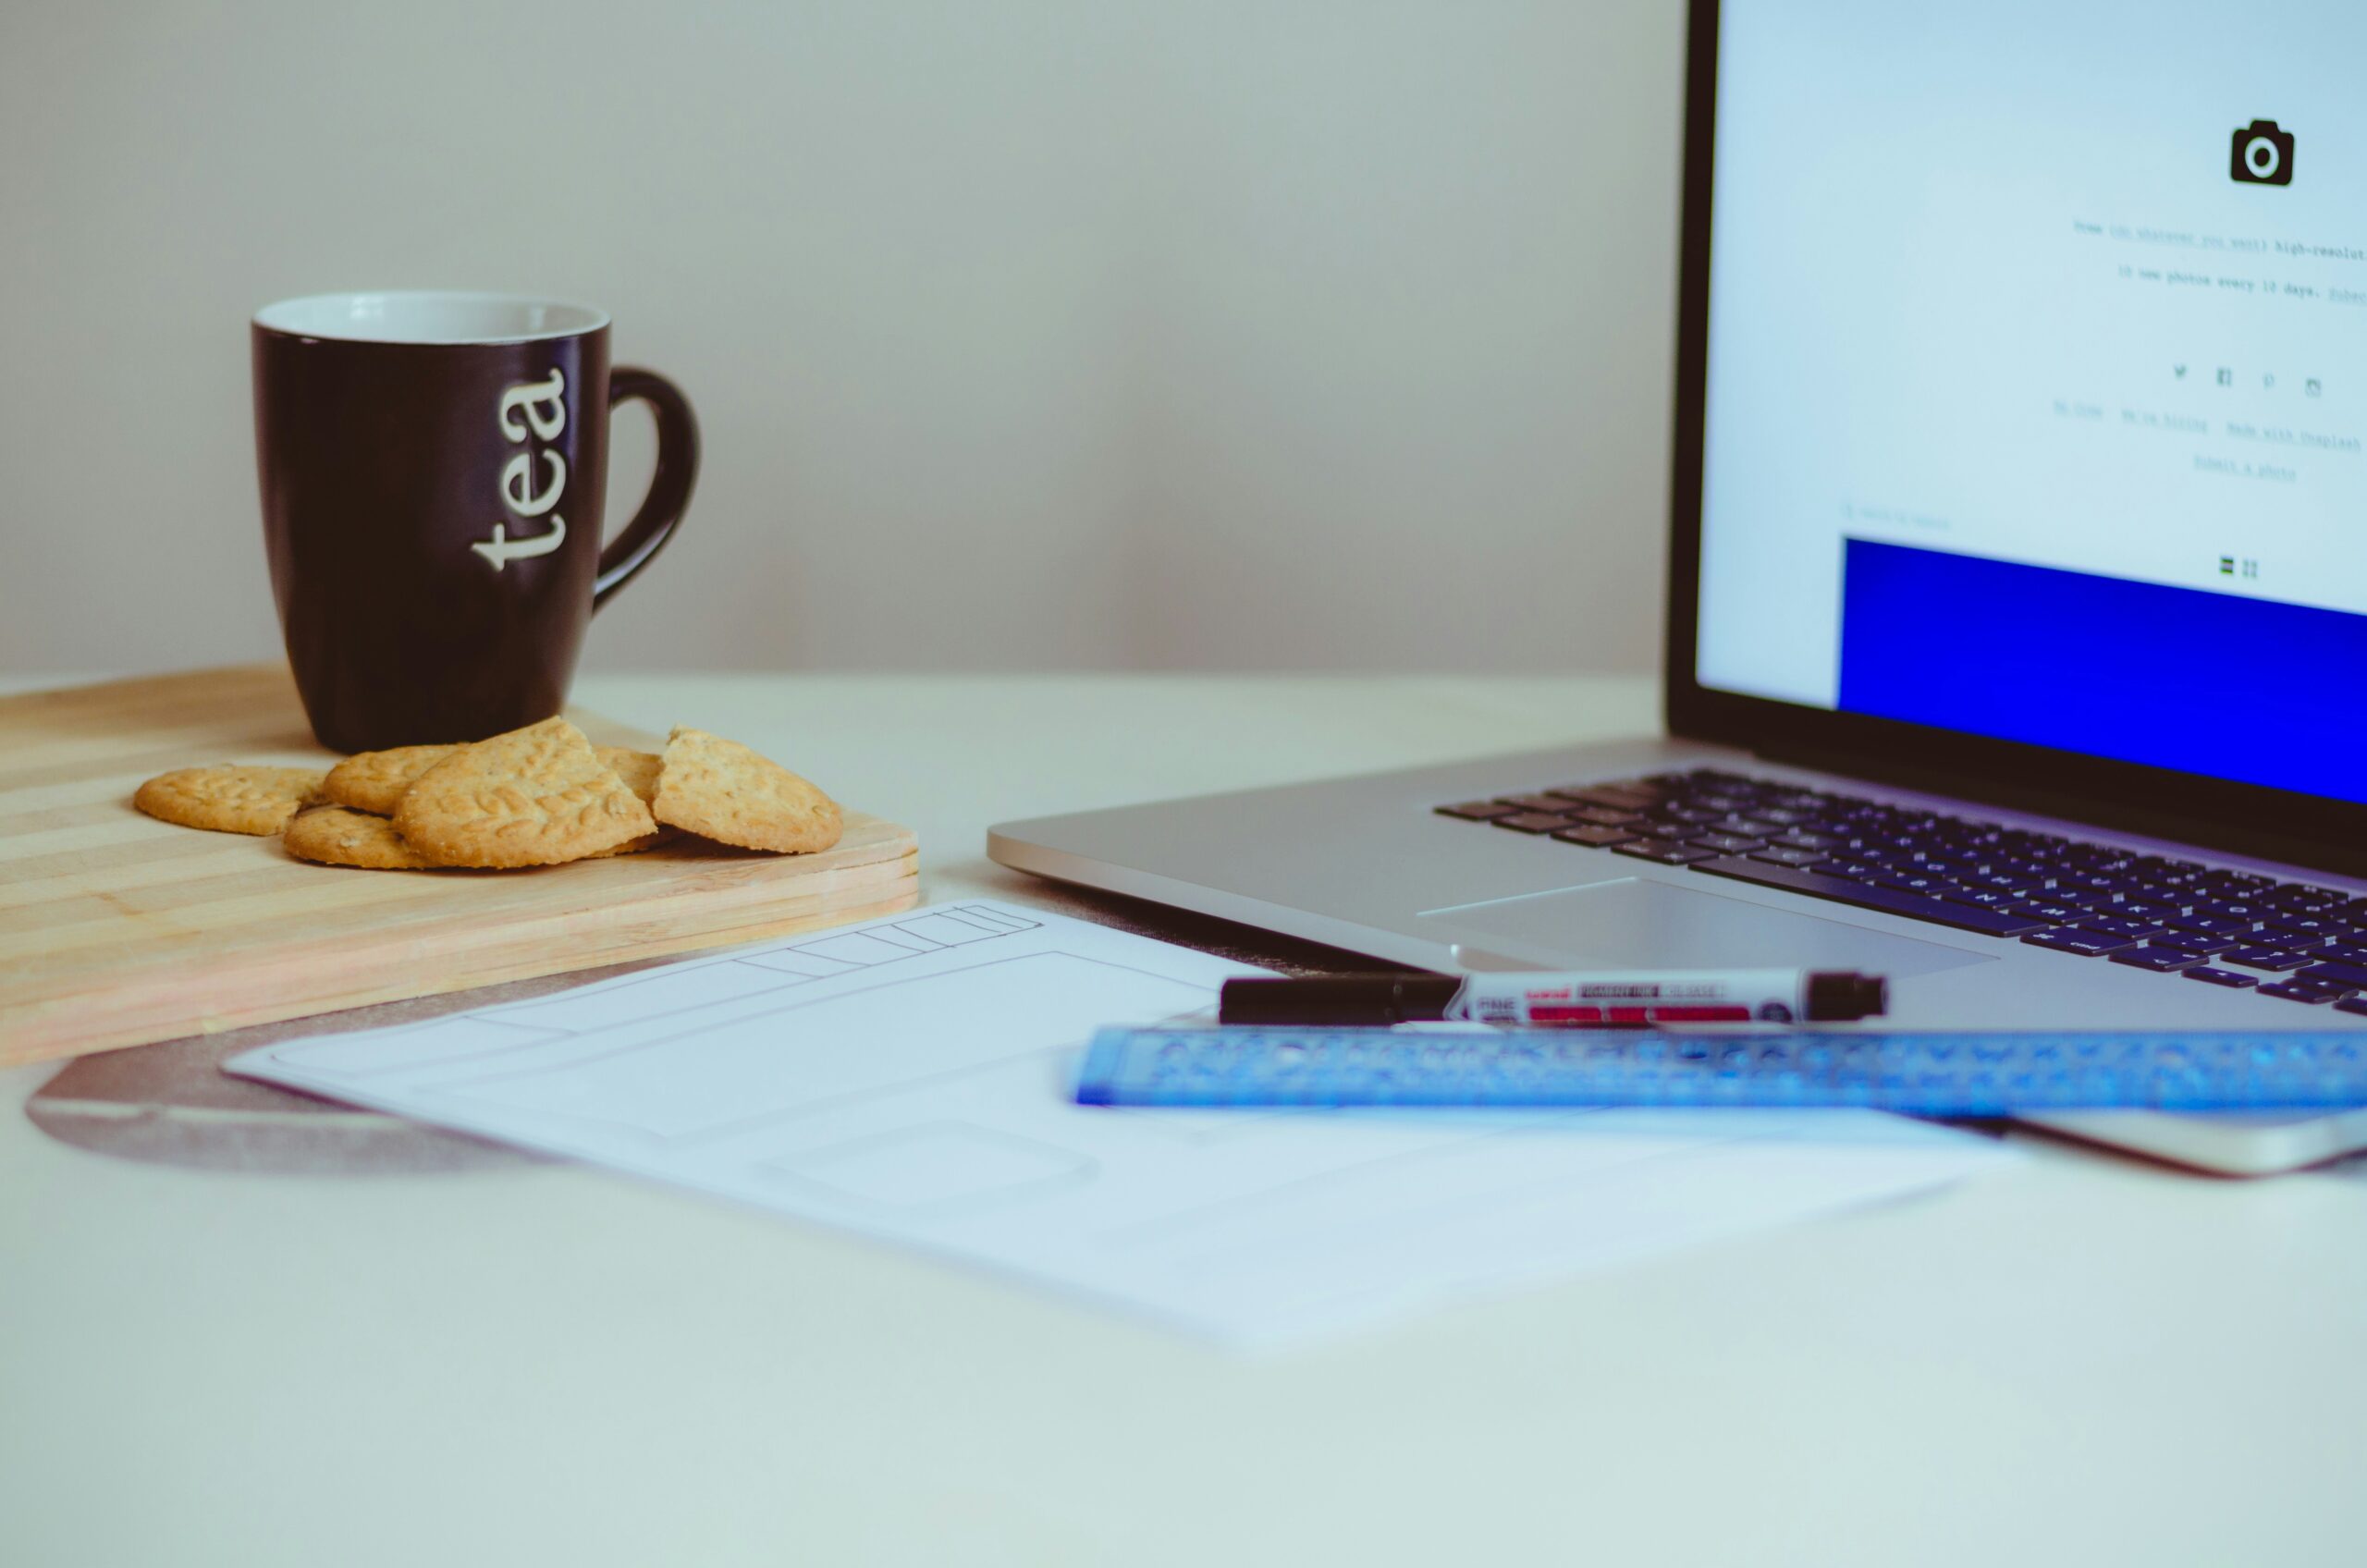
(2261, 154)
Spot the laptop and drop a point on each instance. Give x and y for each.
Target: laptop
(2017, 622)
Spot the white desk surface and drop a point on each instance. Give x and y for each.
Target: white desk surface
(2082, 1359)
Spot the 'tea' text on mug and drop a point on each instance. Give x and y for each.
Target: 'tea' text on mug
(539, 408)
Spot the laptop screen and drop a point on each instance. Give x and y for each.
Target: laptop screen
(2037, 377)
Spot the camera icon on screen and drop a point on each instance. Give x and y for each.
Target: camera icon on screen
(2261, 154)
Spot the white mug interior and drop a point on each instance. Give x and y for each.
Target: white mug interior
(428, 316)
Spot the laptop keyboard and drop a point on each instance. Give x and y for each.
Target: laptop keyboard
(2291, 941)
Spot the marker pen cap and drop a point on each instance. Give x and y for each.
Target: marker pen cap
(1841, 995)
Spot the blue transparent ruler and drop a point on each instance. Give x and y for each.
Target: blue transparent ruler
(1924, 1074)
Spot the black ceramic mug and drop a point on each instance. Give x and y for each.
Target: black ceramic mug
(433, 470)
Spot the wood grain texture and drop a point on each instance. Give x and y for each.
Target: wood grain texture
(118, 930)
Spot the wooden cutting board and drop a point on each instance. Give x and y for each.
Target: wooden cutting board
(117, 929)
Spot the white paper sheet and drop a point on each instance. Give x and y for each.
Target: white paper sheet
(909, 1078)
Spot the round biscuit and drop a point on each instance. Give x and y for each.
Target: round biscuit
(229, 799)
(335, 835)
(639, 771)
(536, 796)
(720, 790)
(374, 782)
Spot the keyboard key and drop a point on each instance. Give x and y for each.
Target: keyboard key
(1727, 843)
(1534, 802)
(2308, 991)
(2350, 951)
(2150, 908)
(1602, 816)
(1890, 844)
(1666, 853)
(1531, 822)
(2303, 901)
(2209, 924)
(2145, 888)
(2276, 961)
(1749, 825)
(1644, 827)
(2287, 924)
(2351, 1004)
(2227, 977)
(2346, 975)
(1777, 855)
(1594, 834)
(2094, 898)
(2087, 944)
(1476, 810)
(2038, 912)
(2114, 925)
(2159, 959)
(1817, 884)
(2199, 944)
(2250, 910)
(1802, 838)
(1611, 797)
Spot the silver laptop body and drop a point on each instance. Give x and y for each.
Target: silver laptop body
(2016, 468)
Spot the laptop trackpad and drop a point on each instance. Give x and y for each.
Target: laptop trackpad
(1632, 923)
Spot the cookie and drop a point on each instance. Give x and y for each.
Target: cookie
(536, 796)
(720, 790)
(374, 782)
(336, 835)
(229, 799)
(639, 771)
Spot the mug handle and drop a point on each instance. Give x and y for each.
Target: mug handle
(670, 489)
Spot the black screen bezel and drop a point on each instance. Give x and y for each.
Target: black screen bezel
(2307, 830)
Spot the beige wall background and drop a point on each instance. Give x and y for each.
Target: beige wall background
(1023, 334)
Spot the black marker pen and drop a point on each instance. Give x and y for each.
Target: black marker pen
(1610, 999)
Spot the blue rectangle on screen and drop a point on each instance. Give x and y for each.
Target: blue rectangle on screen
(2217, 684)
